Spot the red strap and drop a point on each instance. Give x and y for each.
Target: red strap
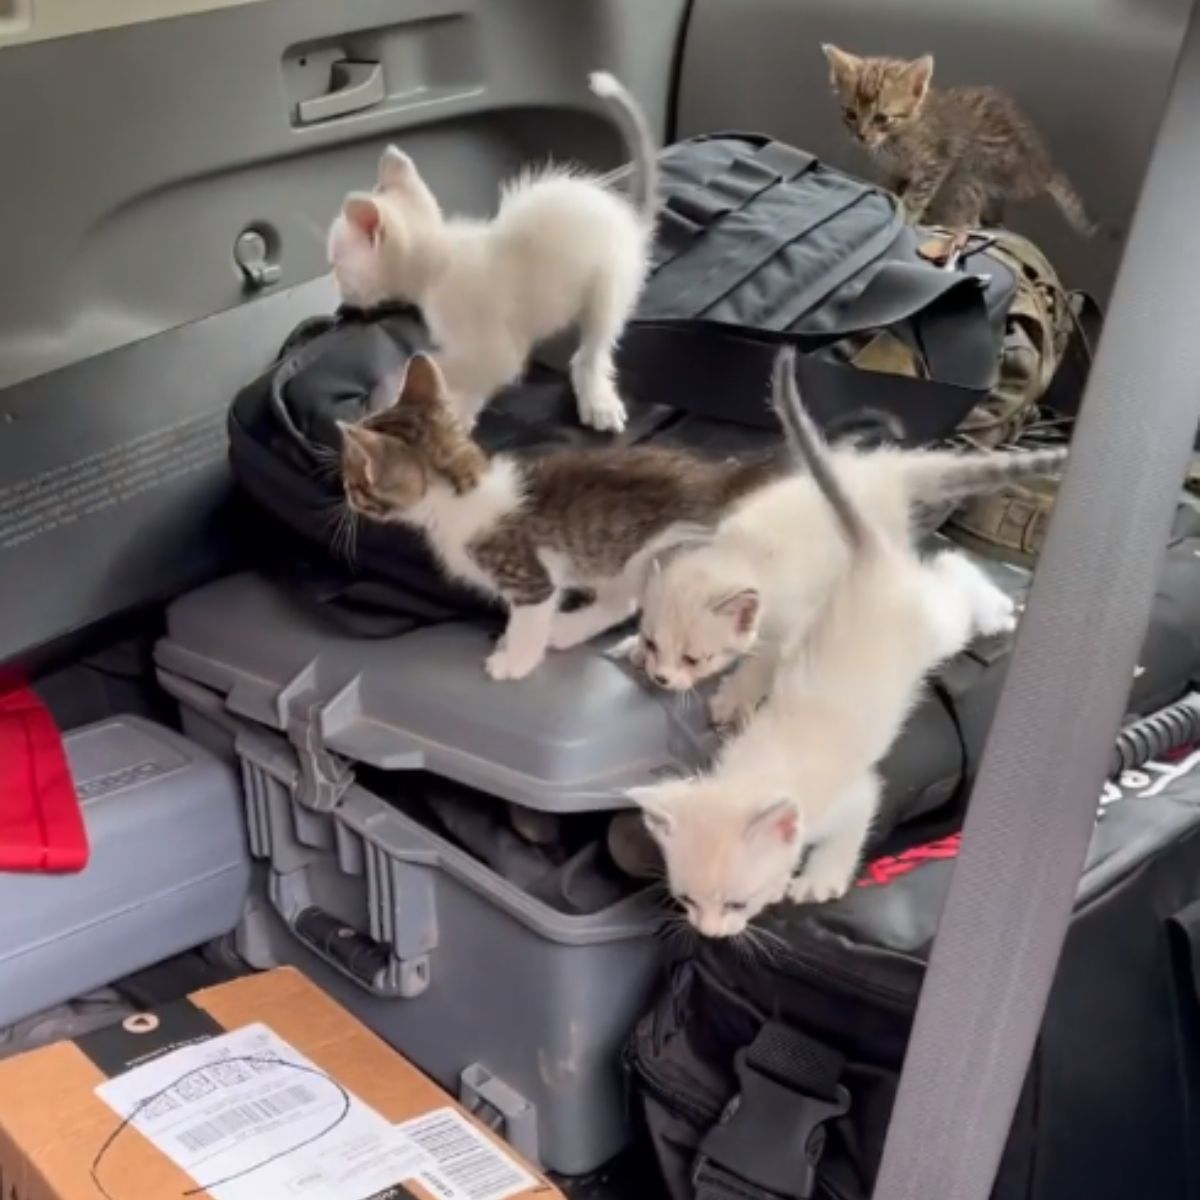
(41, 825)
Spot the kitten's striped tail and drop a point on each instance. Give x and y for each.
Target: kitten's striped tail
(640, 140)
(1062, 191)
(943, 476)
(809, 447)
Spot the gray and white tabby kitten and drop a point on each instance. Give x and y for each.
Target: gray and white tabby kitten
(954, 156)
(525, 531)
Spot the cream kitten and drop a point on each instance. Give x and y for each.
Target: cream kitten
(563, 250)
(786, 808)
(754, 589)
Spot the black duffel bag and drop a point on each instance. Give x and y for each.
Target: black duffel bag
(758, 244)
(771, 1074)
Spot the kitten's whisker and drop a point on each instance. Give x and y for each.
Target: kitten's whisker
(743, 946)
(773, 947)
(328, 462)
(331, 513)
(341, 525)
(351, 546)
(328, 470)
(676, 931)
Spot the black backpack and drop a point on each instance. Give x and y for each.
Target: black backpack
(771, 1074)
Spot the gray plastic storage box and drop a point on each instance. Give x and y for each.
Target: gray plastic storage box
(567, 739)
(519, 1007)
(168, 870)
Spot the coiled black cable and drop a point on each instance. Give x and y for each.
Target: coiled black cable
(1150, 737)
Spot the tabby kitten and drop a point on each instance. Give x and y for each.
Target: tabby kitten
(954, 156)
(525, 531)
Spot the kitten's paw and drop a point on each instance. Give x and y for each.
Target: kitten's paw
(991, 610)
(817, 885)
(603, 410)
(502, 664)
(995, 613)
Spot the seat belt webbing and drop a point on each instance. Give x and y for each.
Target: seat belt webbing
(1034, 804)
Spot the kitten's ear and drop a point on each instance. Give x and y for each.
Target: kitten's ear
(918, 76)
(423, 383)
(781, 820)
(741, 608)
(658, 808)
(362, 213)
(843, 67)
(395, 169)
(449, 450)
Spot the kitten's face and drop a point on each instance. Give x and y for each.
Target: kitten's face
(700, 612)
(376, 242)
(727, 857)
(392, 459)
(880, 97)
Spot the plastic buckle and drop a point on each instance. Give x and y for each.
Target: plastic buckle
(324, 777)
(770, 1138)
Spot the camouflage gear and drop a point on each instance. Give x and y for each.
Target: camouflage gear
(1011, 524)
(1039, 326)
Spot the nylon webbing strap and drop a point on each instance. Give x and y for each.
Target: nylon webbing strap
(691, 210)
(770, 1141)
(1034, 805)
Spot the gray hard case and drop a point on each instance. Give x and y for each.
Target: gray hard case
(569, 738)
(168, 869)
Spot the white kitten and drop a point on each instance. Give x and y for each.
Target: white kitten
(787, 806)
(564, 249)
(753, 590)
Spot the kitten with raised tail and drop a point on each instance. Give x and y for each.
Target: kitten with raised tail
(954, 156)
(752, 591)
(526, 531)
(563, 250)
(787, 806)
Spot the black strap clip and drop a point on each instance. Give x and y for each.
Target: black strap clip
(770, 1139)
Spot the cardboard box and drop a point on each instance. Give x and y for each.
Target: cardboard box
(262, 1088)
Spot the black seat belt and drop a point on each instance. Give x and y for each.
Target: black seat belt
(1034, 805)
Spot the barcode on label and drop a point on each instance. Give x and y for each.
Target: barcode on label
(469, 1162)
(249, 1115)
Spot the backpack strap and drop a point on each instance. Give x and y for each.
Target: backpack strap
(710, 367)
(770, 1140)
(741, 244)
(691, 209)
(722, 372)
